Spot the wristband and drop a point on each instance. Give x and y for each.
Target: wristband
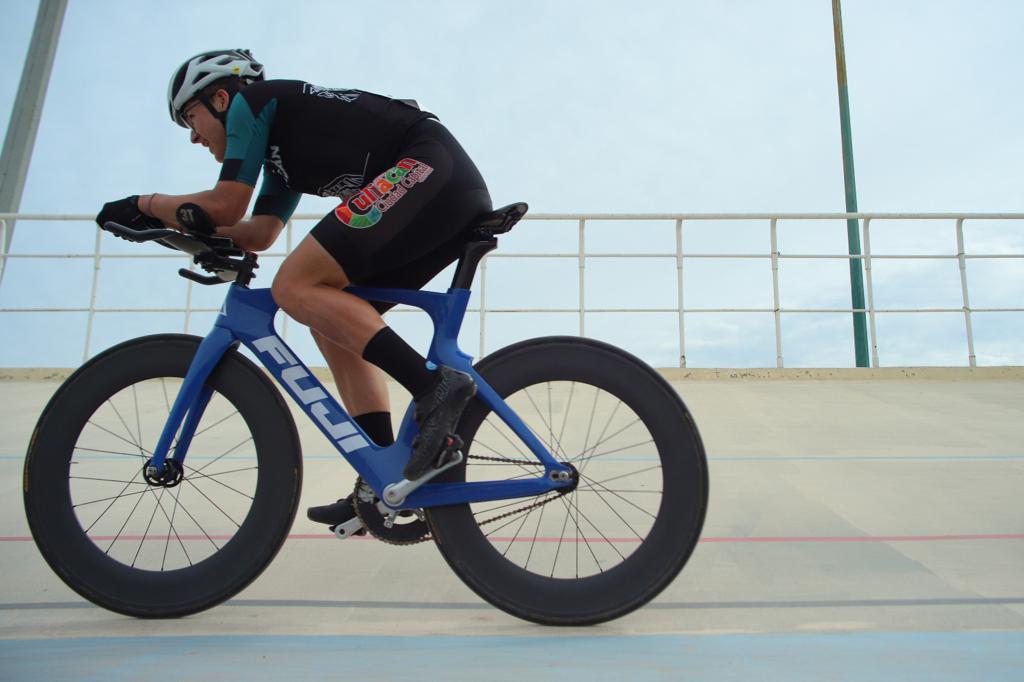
(194, 218)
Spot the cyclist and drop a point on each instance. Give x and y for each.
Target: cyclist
(407, 191)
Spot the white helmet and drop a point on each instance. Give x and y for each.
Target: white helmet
(205, 68)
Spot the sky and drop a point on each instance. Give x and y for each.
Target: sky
(675, 107)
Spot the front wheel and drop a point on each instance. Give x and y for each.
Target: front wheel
(159, 549)
(622, 534)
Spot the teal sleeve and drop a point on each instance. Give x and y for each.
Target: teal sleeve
(275, 198)
(247, 136)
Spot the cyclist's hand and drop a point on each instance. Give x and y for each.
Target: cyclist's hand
(126, 212)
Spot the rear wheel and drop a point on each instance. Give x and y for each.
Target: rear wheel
(144, 548)
(630, 524)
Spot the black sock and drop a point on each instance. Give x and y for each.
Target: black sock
(402, 363)
(377, 425)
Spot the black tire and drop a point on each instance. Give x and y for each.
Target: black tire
(638, 544)
(149, 551)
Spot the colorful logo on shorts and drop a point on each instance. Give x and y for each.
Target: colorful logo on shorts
(366, 208)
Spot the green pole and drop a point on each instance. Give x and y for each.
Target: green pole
(860, 328)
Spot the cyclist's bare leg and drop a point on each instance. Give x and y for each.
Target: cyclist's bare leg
(309, 288)
(361, 385)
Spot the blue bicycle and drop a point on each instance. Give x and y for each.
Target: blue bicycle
(164, 475)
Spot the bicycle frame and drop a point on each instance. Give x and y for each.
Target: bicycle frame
(247, 317)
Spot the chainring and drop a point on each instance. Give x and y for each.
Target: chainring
(408, 528)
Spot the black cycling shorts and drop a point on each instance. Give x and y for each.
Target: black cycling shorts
(407, 224)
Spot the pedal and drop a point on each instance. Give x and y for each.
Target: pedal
(343, 531)
(452, 450)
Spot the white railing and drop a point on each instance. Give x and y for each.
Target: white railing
(581, 221)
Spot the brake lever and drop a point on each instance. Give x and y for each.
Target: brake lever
(202, 279)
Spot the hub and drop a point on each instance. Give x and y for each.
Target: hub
(573, 476)
(168, 478)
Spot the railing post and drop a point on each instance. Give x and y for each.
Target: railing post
(483, 302)
(775, 292)
(971, 358)
(679, 291)
(871, 293)
(583, 266)
(92, 296)
(3, 248)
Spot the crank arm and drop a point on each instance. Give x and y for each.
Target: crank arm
(395, 493)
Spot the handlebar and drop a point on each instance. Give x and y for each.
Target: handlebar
(191, 243)
(218, 255)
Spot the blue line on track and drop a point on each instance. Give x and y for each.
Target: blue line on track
(990, 656)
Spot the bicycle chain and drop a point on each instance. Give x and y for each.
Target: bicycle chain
(519, 510)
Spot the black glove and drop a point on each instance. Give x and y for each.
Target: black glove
(126, 212)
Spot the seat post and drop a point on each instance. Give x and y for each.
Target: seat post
(472, 253)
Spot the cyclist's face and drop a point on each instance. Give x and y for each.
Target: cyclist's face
(207, 130)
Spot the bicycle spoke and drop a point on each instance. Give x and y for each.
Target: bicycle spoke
(518, 464)
(518, 531)
(167, 400)
(512, 520)
(182, 509)
(536, 532)
(601, 439)
(124, 525)
(149, 525)
(142, 450)
(172, 529)
(138, 417)
(224, 454)
(199, 526)
(587, 489)
(568, 411)
(593, 414)
(217, 506)
(515, 446)
(216, 423)
(616, 494)
(112, 503)
(551, 425)
(108, 452)
(105, 499)
(228, 472)
(105, 480)
(550, 445)
(608, 423)
(615, 478)
(137, 443)
(618, 450)
(212, 478)
(598, 530)
(569, 506)
(501, 454)
(576, 522)
(561, 537)
(624, 521)
(491, 510)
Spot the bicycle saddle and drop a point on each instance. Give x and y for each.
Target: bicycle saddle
(500, 221)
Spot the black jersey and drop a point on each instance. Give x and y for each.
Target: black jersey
(311, 140)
